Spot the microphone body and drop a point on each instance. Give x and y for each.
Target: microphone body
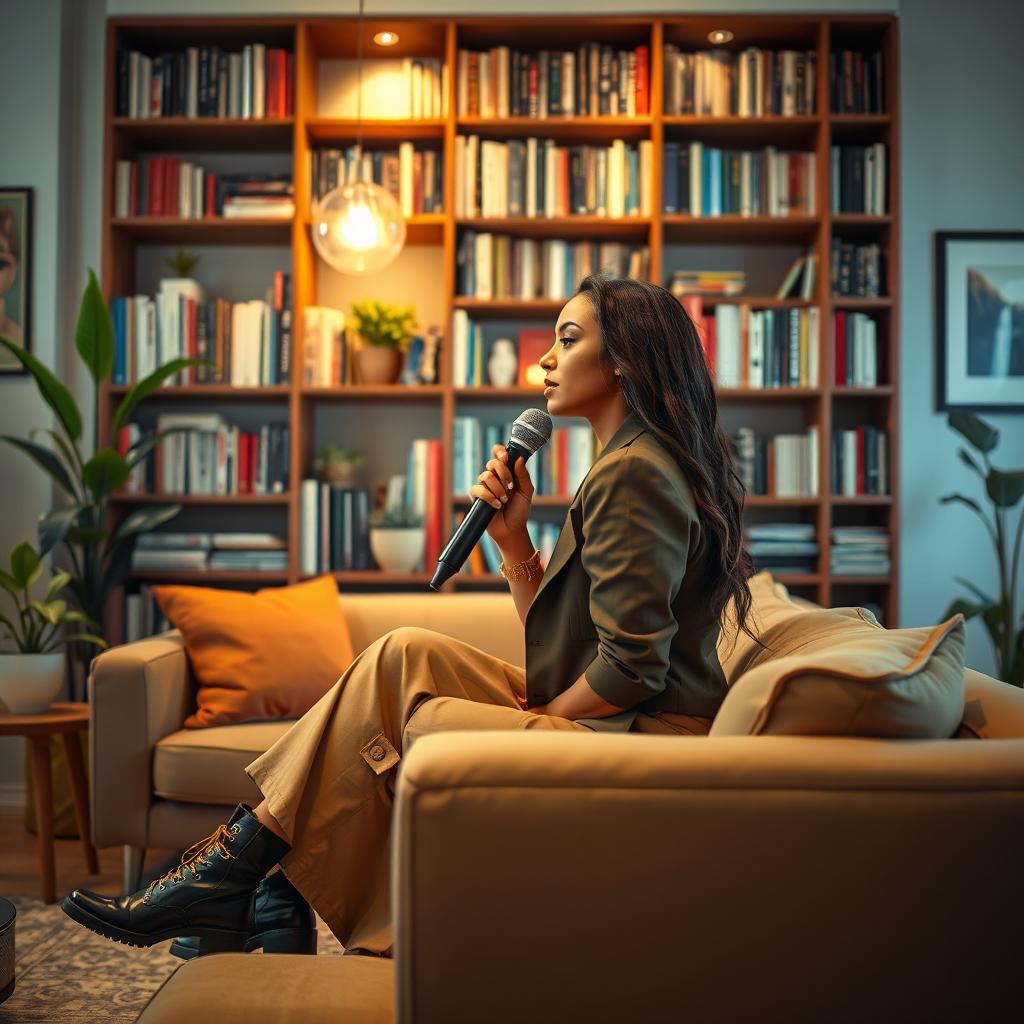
(468, 533)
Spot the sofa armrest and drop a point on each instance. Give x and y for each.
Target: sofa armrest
(138, 693)
(624, 875)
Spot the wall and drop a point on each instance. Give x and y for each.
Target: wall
(960, 170)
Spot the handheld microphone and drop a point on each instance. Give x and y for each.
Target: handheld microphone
(531, 431)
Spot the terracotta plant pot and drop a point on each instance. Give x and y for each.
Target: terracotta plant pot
(377, 365)
(340, 473)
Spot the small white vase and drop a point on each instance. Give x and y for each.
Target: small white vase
(29, 683)
(502, 366)
(398, 549)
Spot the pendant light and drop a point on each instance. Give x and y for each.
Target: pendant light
(358, 226)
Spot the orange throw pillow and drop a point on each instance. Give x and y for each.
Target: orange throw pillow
(272, 654)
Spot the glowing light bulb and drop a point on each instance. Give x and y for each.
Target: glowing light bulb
(358, 228)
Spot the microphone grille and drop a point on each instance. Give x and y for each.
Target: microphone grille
(532, 429)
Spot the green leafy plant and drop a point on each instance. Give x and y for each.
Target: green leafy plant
(1004, 489)
(37, 628)
(395, 519)
(333, 452)
(182, 262)
(99, 557)
(383, 325)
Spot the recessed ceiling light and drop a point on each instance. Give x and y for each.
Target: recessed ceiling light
(386, 38)
(720, 35)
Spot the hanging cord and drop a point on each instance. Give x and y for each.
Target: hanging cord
(359, 94)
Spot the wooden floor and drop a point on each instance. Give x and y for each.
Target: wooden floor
(19, 863)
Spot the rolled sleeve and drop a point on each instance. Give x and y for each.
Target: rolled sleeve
(637, 536)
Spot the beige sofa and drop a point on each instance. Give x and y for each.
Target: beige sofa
(563, 876)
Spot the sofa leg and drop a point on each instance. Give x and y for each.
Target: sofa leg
(134, 858)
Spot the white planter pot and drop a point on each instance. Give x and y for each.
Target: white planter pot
(398, 549)
(29, 683)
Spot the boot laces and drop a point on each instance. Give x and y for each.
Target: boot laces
(195, 857)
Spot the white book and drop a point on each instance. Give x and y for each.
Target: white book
(239, 329)
(460, 347)
(419, 480)
(727, 343)
(146, 86)
(309, 500)
(417, 89)
(696, 178)
(646, 162)
(245, 85)
(472, 163)
(460, 176)
(812, 460)
(503, 79)
(556, 249)
(444, 91)
(528, 255)
(568, 84)
(484, 84)
(462, 83)
(405, 178)
(531, 176)
(484, 268)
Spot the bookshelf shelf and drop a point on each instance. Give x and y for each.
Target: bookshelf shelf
(201, 499)
(204, 392)
(207, 133)
(207, 230)
(734, 229)
(754, 243)
(201, 577)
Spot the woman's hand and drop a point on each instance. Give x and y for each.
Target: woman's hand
(541, 709)
(513, 504)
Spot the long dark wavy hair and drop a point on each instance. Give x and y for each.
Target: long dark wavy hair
(666, 382)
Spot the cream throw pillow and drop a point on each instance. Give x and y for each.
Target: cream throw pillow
(842, 675)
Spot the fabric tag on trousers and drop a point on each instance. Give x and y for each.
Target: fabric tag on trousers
(379, 754)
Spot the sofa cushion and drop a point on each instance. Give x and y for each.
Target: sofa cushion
(206, 766)
(839, 677)
(268, 655)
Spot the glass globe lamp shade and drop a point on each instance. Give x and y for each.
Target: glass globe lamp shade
(358, 228)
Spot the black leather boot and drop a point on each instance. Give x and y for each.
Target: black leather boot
(282, 922)
(209, 894)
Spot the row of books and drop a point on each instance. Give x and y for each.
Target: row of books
(859, 551)
(856, 269)
(860, 461)
(496, 266)
(855, 82)
(855, 343)
(248, 343)
(485, 557)
(424, 88)
(536, 177)
(167, 550)
(168, 186)
(335, 528)
(471, 363)
(705, 181)
(556, 469)
(413, 176)
(328, 352)
(592, 80)
(206, 81)
(203, 454)
(752, 82)
(858, 176)
(783, 465)
(761, 348)
(782, 547)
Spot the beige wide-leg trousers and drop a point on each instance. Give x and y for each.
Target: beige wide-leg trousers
(329, 781)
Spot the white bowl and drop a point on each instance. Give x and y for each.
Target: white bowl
(29, 683)
(398, 549)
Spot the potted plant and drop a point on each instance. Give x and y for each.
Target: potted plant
(31, 678)
(98, 554)
(182, 263)
(397, 539)
(385, 331)
(338, 464)
(1004, 487)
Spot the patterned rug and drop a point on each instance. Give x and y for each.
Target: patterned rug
(64, 972)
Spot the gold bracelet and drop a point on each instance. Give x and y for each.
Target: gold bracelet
(528, 569)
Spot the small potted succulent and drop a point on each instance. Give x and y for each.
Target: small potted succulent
(385, 331)
(31, 678)
(338, 464)
(397, 539)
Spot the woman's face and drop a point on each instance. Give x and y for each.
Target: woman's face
(8, 266)
(583, 385)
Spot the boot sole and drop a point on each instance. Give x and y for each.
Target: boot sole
(279, 940)
(211, 940)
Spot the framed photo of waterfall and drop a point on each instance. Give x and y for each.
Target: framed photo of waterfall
(979, 320)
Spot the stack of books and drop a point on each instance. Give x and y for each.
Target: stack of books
(168, 550)
(248, 552)
(171, 550)
(783, 547)
(859, 551)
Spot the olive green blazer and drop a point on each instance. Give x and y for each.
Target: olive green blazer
(621, 598)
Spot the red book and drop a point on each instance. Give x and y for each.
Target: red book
(532, 91)
(434, 486)
(270, 77)
(155, 170)
(278, 290)
(123, 441)
(243, 463)
(642, 99)
(288, 72)
(210, 205)
(839, 347)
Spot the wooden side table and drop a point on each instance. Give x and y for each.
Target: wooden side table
(68, 720)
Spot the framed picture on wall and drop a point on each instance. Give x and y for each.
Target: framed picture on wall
(15, 273)
(979, 320)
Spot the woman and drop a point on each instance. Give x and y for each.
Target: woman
(621, 632)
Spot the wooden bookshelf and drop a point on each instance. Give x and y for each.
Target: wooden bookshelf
(313, 40)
